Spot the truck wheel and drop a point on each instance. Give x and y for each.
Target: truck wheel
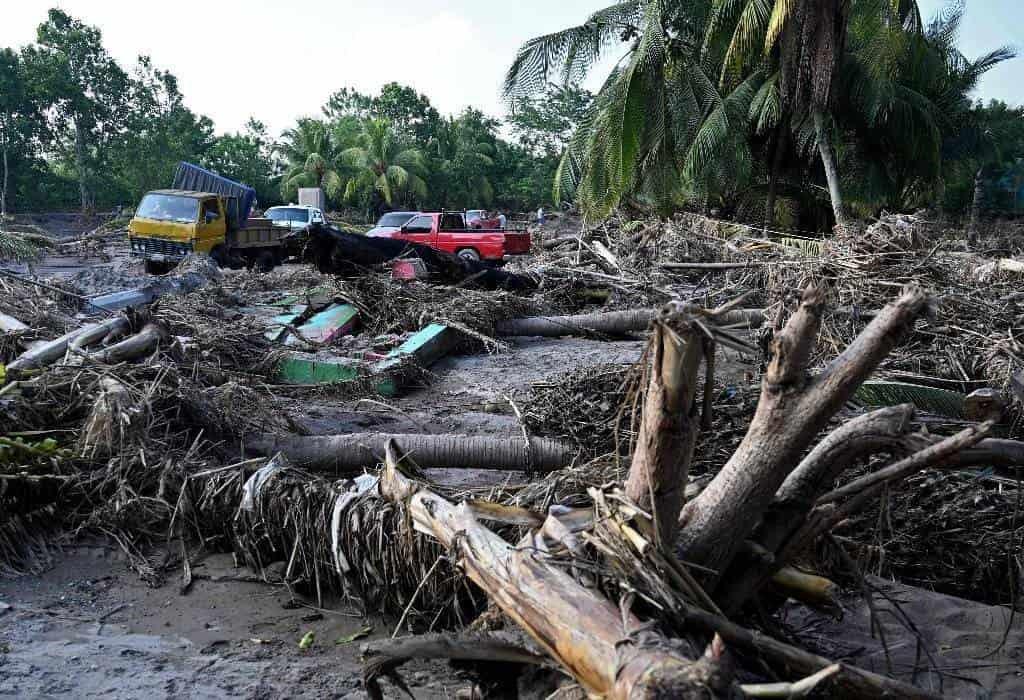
(155, 267)
(265, 262)
(469, 254)
(219, 255)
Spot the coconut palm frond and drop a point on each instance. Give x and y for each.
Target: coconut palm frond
(938, 401)
(569, 53)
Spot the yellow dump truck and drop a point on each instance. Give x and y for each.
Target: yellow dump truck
(204, 213)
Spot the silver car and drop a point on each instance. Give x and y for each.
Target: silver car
(392, 222)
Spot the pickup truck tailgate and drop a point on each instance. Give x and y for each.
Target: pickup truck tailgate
(517, 243)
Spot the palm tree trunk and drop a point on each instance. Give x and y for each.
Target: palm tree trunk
(979, 193)
(3, 187)
(83, 187)
(828, 159)
(773, 175)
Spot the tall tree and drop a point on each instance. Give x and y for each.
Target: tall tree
(639, 139)
(87, 88)
(312, 159)
(462, 154)
(14, 107)
(544, 123)
(247, 157)
(384, 165)
(158, 132)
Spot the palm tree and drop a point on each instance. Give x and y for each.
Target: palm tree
(639, 138)
(310, 153)
(383, 164)
(462, 155)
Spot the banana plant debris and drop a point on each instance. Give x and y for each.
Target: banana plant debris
(620, 466)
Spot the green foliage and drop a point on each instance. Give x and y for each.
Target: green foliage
(715, 102)
(383, 166)
(247, 157)
(311, 155)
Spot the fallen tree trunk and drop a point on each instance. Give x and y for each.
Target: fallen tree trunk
(602, 646)
(50, 352)
(552, 243)
(9, 324)
(359, 450)
(709, 265)
(143, 343)
(100, 332)
(609, 323)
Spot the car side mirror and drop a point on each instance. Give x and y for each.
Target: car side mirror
(211, 217)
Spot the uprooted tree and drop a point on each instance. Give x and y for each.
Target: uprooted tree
(768, 504)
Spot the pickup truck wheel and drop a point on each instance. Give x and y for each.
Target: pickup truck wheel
(469, 254)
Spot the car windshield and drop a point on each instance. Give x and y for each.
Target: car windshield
(474, 214)
(169, 207)
(288, 214)
(396, 219)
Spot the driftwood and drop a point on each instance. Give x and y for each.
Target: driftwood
(359, 450)
(9, 324)
(118, 326)
(603, 647)
(709, 265)
(609, 323)
(50, 352)
(143, 343)
(111, 422)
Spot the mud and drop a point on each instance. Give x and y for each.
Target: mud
(90, 628)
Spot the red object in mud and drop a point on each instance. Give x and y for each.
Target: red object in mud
(447, 231)
(409, 270)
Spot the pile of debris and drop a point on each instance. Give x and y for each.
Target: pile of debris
(670, 509)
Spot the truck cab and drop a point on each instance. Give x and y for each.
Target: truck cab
(170, 224)
(295, 216)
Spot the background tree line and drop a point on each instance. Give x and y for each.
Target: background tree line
(77, 130)
(788, 112)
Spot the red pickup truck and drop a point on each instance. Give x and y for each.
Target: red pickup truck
(447, 231)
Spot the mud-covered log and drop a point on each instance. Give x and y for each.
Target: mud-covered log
(603, 647)
(112, 421)
(98, 333)
(607, 323)
(143, 343)
(610, 323)
(50, 352)
(359, 450)
(792, 409)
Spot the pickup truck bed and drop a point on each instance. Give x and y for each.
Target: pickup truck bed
(448, 232)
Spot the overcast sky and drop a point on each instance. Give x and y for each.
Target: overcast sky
(281, 60)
